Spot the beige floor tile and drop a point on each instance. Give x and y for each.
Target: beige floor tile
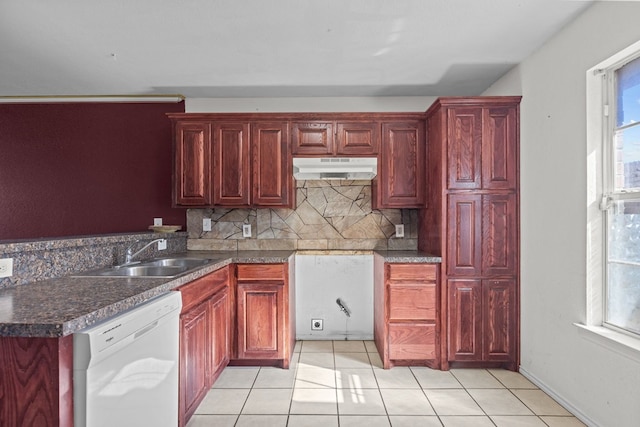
(540, 403)
(553, 421)
(223, 401)
(212, 421)
(355, 378)
(432, 378)
(314, 401)
(262, 401)
(360, 402)
(269, 377)
(476, 378)
(298, 347)
(414, 421)
(312, 421)
(466, 421)
(364, 420)
(498, 402)
(349, 346)
(262, 421)
(452, 402)
(371, 346)
(406, 402)
(237, 377)
(399, 377)
(315, 378)
(517, 421)
(352, 360)
(316, 359)
(375, 360)
(512, 379)
(317, 346)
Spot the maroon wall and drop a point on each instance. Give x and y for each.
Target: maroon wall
(91, 168)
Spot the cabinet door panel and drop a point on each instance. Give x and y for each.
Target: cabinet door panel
(231, 165)
(401, 174)
(499, 232)
(192, 167)
(357, 138)
(464, 149)
(465, 319)
(500, 321)
(313, 138)
(499, 148)
(221, 337)
(412, 341)
(412, 302)
(194, 358)
(259, 321)
(272, 178)
(464, 257)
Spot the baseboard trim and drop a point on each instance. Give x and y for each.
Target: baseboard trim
(567, 405)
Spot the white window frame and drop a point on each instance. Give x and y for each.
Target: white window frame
(600, 115)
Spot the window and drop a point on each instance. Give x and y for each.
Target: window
(621, 198)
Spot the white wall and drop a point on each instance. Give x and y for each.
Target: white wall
(599, 383)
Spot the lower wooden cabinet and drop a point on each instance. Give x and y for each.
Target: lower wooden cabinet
(264, 314)
(406, 315)
(482, 321)
(204, 338)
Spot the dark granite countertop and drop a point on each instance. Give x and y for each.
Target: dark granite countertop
(408, 257)
(62, 306)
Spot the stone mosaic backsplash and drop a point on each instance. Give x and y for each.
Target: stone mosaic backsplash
(50, 258)
(329, 215)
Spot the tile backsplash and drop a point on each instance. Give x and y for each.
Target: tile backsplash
(329, 215)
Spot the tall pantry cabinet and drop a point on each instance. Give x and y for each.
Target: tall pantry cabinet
(472, 222)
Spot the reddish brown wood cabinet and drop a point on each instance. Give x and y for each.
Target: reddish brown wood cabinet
(401, 173)
(205, 334)
(472, 221)
(406, 313)
(328, 138)
(231, 173)
(265, 315)
(192, 164)
(271, 168)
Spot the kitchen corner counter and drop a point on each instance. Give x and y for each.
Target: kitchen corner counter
(62, 306)
(395, 257)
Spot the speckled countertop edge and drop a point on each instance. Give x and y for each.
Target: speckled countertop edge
(62, 306)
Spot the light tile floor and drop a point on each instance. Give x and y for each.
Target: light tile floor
(342, 384)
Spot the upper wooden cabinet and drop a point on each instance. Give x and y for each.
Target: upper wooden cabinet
(327, 138)
(271, 170)
(232, 176)
(481, 151)
(192, 164)
(401, 173)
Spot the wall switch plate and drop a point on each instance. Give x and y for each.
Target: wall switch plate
(206, 224)
(162, 245)
(6, 267)
(157, 221)
(400, 230)
(317, 324)
(246, 230)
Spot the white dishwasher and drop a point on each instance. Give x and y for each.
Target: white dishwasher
(125, 369)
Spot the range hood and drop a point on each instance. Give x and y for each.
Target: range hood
(356, 168)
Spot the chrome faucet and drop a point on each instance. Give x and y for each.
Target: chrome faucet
(129, 255)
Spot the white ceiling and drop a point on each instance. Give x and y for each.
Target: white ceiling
(269, 48)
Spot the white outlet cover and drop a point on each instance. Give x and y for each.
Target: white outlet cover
(399, 230)
(6, 267)
(157, 221)
(246, 230)
(162, 245)
(206, 224)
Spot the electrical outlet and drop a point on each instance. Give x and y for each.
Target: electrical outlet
(206, 224)
(157, 221)
(246, 230)
(162, 245)
(6, 267)
(399, 230)
(317, 324)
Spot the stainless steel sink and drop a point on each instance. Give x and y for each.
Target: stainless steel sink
(163, 267)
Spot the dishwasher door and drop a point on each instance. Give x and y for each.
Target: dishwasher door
(126, 368)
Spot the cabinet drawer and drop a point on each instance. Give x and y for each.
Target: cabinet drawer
(419, 272)
(412, 341)
(260, 272)
(412, 302)
(200, 289)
